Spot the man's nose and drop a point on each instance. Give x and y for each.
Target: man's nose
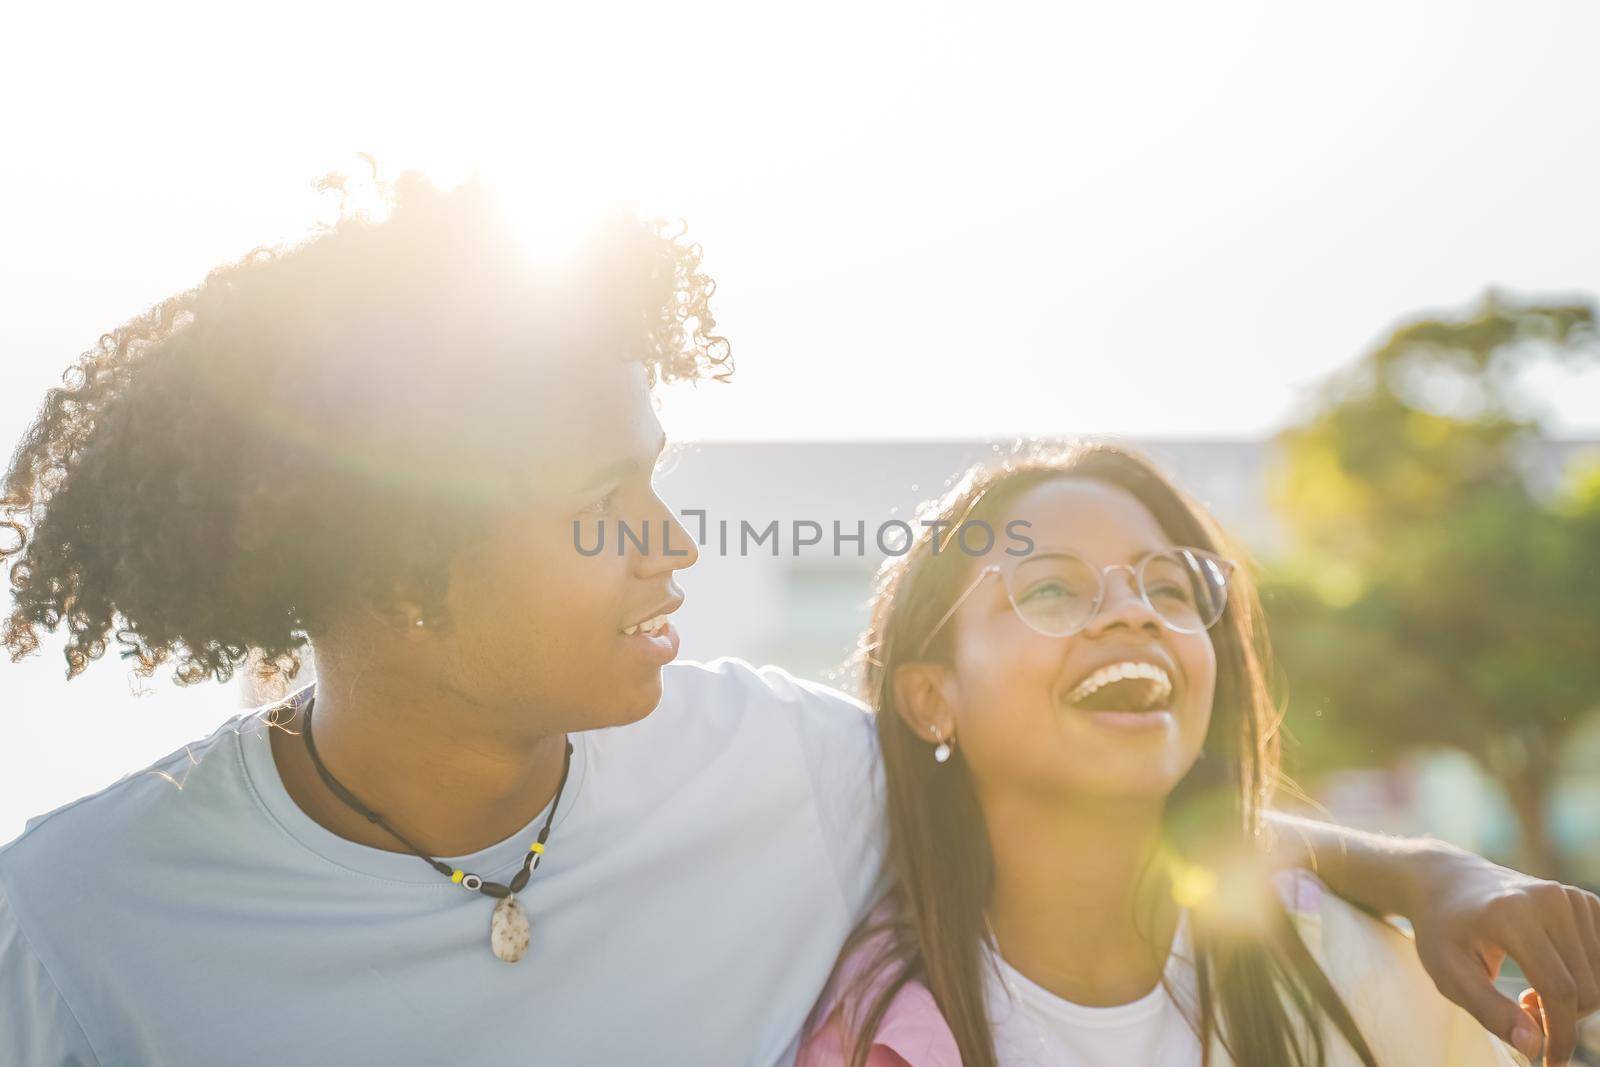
(672, 548)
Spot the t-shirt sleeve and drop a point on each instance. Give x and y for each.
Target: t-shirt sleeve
(37, 1026)
(839, 742)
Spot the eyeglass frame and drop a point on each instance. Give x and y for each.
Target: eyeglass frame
(1134, 571)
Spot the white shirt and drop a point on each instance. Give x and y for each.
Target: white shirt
(704, 866)
(1374, 968)
(1033, 1027)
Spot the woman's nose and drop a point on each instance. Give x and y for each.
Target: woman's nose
(1122, 605)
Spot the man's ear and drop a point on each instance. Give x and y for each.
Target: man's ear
(401, 613)
(922, 702)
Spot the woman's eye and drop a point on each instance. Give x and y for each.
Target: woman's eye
(1169, 591)
(1047, 589)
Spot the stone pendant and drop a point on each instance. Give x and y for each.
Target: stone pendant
(508, 929)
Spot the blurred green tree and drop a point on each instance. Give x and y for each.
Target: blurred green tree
(1443, 585)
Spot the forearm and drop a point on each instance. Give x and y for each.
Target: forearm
(1469, 914)
(1374, 871)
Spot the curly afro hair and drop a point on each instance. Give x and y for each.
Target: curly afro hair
(227, 472)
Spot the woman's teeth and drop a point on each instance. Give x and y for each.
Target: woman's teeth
(1159, 684)
(649, 626)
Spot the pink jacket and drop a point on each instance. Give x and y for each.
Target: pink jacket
(913, 1032)
(1373, 966)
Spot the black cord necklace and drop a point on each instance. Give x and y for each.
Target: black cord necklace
(508, 927)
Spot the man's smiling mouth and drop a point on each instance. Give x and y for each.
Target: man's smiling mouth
(650, 626)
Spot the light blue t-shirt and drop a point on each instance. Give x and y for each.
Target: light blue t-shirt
(704, 867)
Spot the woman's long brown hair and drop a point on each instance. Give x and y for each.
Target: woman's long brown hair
(1260, 990)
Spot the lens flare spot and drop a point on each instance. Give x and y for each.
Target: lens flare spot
(1192, 885)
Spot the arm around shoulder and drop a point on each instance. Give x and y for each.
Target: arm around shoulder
(1375, 969)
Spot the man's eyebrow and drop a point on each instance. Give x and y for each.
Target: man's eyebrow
(619, 469)
(609, 473)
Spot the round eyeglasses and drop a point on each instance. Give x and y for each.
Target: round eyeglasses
(1057, 593)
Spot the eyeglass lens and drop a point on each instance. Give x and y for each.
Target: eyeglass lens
(1058, 592)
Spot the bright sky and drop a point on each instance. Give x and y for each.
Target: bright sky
(927, 220)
